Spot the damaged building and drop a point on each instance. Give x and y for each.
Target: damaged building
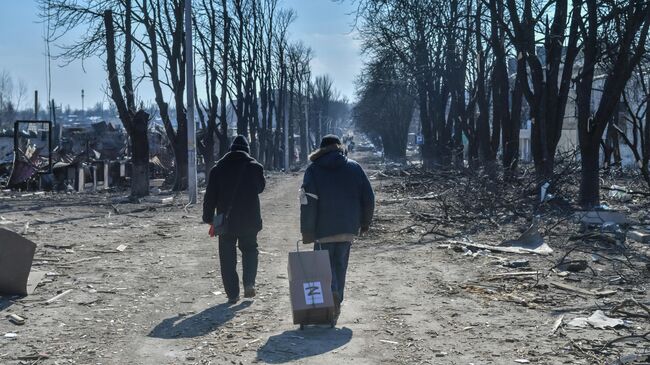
(77, 156)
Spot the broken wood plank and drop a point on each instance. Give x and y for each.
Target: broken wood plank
(516, 250)
(58, 296)
(96, 250)
(518, 273)
(80, 260)
(429, 196)
(601, 293)
(38, 258)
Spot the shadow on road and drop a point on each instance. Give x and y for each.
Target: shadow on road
(199, 324)
(5, 302)
(293, 345)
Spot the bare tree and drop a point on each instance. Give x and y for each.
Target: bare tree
(549, 69)
(612, 44)
(635, 99)
(163, 51)
(100, 39)
(213, 45)
(135, 122)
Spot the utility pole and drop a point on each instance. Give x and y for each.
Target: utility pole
(191, 127)
(55, 126)
(320, 123)
(286, 142)
(35, 104)
(307, 143)
(83, 109)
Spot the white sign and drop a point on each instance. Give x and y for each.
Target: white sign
(313, 293)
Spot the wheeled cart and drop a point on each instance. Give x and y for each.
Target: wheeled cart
(317, 318)
(310, 287)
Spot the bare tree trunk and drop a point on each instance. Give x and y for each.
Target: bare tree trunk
(140, 154)
(135, 123)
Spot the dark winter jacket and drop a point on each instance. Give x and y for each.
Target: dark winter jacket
(339, 198)
(245, 216)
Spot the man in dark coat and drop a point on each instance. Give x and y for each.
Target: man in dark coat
(337, 203)
(233, 189)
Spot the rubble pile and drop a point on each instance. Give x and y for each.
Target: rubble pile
(80, 157)
(588, 270)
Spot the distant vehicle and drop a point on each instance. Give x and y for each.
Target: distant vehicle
(365, 147)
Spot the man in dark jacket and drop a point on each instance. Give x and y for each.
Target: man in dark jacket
(233, 189)
(337, 202)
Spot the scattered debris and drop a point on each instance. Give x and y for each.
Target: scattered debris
(542, 250)
(574, 266)
(639, 236)
(34, 357)
(601, 217)
(15, 262)
(543, 192)
(520, 273)
(16, 319)
(530, 241)
(59, 246)
(390, 342)
(632, 302)
(630, 358)
(598, 320)
(619, 193)
(160, 199)
(557, 324)
(515, 264)
(599, 293)
(79, 261)
(58, 296)
(34, 279)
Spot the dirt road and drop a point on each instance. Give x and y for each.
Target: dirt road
(161, 302)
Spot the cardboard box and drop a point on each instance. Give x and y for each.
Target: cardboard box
(16, 255)
(310, 286)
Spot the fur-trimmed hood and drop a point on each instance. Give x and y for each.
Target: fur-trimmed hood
(332, 156)
(325, 150)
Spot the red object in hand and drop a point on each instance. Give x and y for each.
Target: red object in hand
(211, 231)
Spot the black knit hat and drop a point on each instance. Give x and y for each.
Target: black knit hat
(240, 143)
(329, 140)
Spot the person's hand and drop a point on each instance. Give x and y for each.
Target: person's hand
(211, 231)
(308, 238)
(364, 230)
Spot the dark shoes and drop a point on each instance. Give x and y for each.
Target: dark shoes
(249, 292)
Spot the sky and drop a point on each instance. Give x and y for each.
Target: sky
(324, 25)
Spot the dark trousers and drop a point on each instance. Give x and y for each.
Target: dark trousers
(339, 256)
(228, 260)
